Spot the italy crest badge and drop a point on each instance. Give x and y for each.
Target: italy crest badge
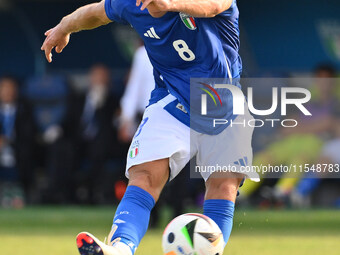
(188, 21)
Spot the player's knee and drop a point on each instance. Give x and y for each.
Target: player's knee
(222, 191)
(222, 188)
(141, 177)
(148, 178)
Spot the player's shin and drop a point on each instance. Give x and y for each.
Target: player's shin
(132, 217)
(222, 212)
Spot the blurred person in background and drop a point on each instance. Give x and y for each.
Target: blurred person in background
(331, 150)
(302, 144)
(329, 165)
(87, 140)
(17, 134)
(137, 94)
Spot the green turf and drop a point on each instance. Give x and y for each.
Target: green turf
(51, 231)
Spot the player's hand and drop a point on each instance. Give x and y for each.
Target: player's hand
(55, 38)
(161, 4)
(124, 133)
(157, 8)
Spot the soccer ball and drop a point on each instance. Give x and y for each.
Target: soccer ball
(194, 234)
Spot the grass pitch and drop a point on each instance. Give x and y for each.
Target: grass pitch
(52, 231)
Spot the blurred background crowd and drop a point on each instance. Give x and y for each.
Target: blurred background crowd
(65, 128)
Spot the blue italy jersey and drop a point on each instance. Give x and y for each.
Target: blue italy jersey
(181, 47)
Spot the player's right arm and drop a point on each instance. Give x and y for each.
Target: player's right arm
(85, 18)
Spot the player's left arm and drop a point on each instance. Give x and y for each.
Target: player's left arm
(85, 18)
(195, 8)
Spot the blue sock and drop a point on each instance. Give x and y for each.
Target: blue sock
(222, 212)
(132, 216)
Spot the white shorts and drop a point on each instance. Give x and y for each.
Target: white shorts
(160, 135)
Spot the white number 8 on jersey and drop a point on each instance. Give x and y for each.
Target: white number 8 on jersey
(183, 50)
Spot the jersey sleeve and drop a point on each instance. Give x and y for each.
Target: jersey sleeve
(231, 11)
(115, 10)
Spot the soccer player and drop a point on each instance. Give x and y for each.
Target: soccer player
(184, 39)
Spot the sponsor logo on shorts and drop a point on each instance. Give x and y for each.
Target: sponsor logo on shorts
(134, 150)
(242, 162)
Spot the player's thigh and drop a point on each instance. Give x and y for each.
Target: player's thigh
(223, 187)
(229, 151)
(151, 176)
(161, 142)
